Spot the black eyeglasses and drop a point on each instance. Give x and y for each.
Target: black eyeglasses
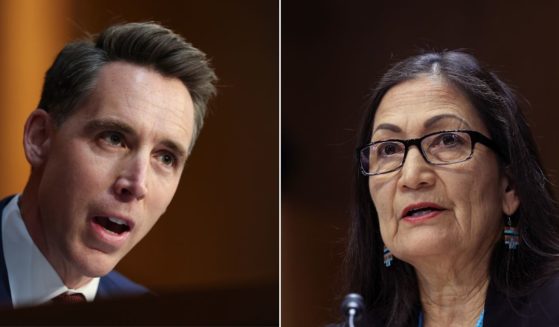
(439, 148)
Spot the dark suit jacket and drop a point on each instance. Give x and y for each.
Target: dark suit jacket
(110, 286)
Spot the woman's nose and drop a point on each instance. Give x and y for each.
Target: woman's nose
(416, 172)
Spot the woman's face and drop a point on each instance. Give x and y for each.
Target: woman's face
(457, 208)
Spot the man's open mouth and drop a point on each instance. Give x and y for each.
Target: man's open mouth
(112, 224)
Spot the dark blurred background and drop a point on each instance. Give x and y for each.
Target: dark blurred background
(221, 230)
(333, 53)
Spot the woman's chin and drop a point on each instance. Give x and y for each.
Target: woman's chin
(421, 246)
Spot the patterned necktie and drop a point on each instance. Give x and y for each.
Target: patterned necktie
(66, 298)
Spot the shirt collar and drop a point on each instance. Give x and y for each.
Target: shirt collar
(32, 279)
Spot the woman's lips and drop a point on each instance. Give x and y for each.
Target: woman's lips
(421, 211)
(422, 217)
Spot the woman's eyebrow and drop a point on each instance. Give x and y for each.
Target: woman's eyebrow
(431, 121)
(390, 127)
(428, 123)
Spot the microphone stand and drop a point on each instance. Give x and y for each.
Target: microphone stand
(352, 307)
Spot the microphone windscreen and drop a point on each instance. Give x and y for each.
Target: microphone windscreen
(353, 301)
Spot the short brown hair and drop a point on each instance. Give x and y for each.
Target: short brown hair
(72, 76)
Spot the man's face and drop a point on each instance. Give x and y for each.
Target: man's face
(112, 168)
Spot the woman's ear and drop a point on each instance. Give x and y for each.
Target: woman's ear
(37, 136)
(510, 198)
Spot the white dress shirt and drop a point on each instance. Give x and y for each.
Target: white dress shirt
(32, 279)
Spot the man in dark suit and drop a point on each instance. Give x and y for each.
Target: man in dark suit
(117, 119)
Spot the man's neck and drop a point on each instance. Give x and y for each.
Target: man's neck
(30, 214)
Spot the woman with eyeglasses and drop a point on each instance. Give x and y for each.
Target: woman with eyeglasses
(455, 223)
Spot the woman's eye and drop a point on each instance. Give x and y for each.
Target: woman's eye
(113, 138)
(450, 139)
(388, 149)
(447, 141)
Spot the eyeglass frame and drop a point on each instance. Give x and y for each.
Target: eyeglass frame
(476, 137)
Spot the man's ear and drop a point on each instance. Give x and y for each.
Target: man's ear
(511, 202)
(37, 137)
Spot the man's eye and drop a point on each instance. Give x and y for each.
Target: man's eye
(167, 159)
(113, 138)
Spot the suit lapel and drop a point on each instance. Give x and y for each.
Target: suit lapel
(102, 289)
(5, 293)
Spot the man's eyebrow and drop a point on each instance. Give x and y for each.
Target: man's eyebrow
(431, 121)
(112, 124)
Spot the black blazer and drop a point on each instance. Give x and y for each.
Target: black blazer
(538, 309)
(110, 286)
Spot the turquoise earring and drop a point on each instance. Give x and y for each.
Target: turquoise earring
(512, 237)
(388, 257)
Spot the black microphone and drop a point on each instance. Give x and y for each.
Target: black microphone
(352, 307)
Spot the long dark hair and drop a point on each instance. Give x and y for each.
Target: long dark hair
(391, 294)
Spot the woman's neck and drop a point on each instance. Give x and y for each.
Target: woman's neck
(453, 305)
(453, 295)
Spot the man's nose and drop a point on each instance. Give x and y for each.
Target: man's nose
(416, 172)
(131, 182)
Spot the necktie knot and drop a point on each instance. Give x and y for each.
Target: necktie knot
(66, 298)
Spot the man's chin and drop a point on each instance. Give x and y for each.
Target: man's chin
(97, 264)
